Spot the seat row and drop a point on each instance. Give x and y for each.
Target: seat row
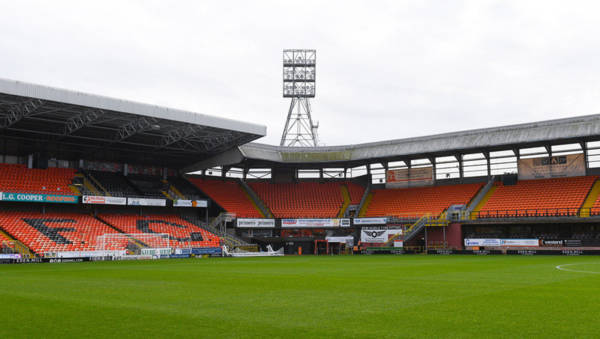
(306, 199)
(416, 201)
(228, 194)
(19, 178)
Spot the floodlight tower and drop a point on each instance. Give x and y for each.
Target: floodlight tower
(299, 67)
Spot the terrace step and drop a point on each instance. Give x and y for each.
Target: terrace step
(590, 200)
(260, 205)
(346, 196)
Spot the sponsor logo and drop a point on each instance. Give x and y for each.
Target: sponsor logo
(370, 221)
(374, 234)
(314, 222)
(27, 197)
(572, 252)
(146, 202)
(258, 223)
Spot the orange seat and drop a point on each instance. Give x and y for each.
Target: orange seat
(19, 178)
(55, 232)
(229, 195)
(539, 197)
(306, 199)
(418, 201)
(179, 230)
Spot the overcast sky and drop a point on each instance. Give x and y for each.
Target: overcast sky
(385, 69)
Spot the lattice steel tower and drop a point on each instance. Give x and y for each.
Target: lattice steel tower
(299, 74)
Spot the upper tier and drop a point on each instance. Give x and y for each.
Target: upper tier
(541, 194)
(417, 201)
(306, 199)
(228, 194)
(19, 178)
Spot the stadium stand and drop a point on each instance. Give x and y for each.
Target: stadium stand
(115, 183)
(4, 237)
(182, 233)
(418, 201)
(356, 192)
(557, 197)
(149, 186)
(228, 194)
(54, 232)
(19, 178)
(185, 188)
(305, 199)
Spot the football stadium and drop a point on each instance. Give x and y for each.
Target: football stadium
(105, 224)
(120, 218)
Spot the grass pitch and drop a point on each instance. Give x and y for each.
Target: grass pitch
(286, 297)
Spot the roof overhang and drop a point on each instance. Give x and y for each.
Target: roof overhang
(543, 133)
(72, 125)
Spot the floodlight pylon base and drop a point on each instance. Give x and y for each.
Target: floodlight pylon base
(299, 131)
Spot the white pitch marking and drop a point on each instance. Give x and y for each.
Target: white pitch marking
(562, 268)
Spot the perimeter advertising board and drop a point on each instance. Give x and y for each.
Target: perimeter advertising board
(100, 200)
(10, 256)
(378, 235)
(348, 240)
(255, 223)
(190, 203)
(311, 223)
(370, 221)
(146, 202)
(373, 236)
(30, 197)
(502, 242)
(409, 177)
(571, 165)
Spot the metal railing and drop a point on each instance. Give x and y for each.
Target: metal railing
(532, 213)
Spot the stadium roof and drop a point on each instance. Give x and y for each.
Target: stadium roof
(544, 133)
(72, 125)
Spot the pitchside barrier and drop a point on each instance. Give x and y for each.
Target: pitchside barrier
(568, 252)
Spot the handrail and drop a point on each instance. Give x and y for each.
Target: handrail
(534, 212)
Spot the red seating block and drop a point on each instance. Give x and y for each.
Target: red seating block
(229, 195)
(55, 232)
(418, 201)
(540, 195)
(19, 178)
(178, 229)
(306, 199)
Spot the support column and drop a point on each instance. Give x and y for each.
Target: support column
(488, 163)
(584, 148)
(549, 150)
(434, 167)
(224, 171)
(461, 170)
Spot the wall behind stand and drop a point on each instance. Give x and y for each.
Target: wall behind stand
(435, 236)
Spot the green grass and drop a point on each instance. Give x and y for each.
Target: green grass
(287, 297)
